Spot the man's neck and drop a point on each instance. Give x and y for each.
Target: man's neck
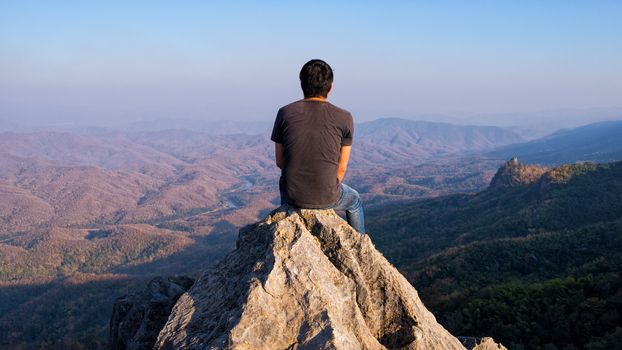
(316, 98)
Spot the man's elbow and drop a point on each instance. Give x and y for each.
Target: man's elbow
(279, 162)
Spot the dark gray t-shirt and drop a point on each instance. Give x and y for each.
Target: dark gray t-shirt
(311, 132)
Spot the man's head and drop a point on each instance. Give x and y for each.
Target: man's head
(316, 78)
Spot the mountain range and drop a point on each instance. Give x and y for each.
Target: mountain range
(86, 213)
(105, 176)
(600, 142)
(438, 137)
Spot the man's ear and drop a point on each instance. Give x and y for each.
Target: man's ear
(329, 89)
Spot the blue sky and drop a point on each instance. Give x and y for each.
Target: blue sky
(100, 62)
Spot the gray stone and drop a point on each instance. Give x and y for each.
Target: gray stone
(303, 279)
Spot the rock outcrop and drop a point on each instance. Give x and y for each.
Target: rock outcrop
(473, 343)
(303, 279)
(138, 318)
(512, 173)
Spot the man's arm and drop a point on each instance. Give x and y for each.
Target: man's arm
(343, 161)
(278, 154)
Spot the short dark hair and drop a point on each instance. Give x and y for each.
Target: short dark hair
(316, 76)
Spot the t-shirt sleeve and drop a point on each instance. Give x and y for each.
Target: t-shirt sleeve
(348, 131)
(277, 129)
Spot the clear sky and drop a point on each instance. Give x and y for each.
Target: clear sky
(102, 62)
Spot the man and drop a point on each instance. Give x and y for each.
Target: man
(313, 139)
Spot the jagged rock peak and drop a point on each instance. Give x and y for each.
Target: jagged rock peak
(303, 279)
(512, 173)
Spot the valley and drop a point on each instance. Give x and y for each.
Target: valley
(86, 216)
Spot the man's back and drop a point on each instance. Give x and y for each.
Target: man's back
(312, 144)
(312, 133)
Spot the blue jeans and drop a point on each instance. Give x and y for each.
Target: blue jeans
(350, 201)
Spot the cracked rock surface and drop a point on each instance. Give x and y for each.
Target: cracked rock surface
(303, 279)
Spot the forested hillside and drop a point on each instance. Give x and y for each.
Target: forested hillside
(534, 263)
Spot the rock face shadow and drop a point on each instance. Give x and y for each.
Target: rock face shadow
(137, 318)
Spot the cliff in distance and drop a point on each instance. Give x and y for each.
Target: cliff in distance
(304, 279)
(512, 173)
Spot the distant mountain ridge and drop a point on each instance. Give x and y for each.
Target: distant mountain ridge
(597, 142)
(445, 136)
(402, 141)
(218, 127)
(385, 131)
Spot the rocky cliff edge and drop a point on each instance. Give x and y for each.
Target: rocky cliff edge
(304, 279)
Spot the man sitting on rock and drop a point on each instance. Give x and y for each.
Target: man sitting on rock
(313, 139)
